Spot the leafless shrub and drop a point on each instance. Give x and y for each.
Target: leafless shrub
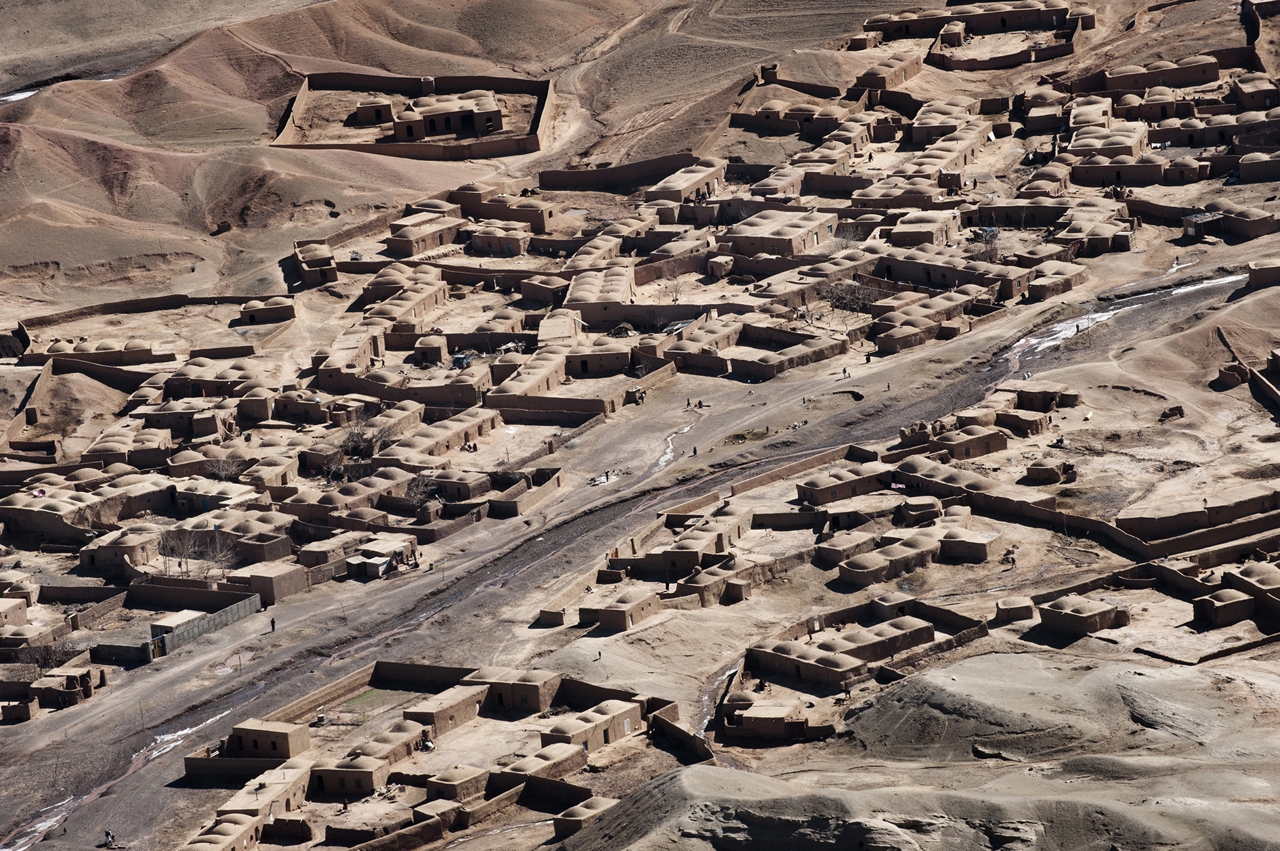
(226, 469)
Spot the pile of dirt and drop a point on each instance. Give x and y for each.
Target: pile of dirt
(74, 407)
(1032, 707)
(715, 808)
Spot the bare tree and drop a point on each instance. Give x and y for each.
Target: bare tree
(180, 546)
(218, 555)
(367, 436)
(226, 469)
(848, 240)
(674, 289)
(43, 656)
(850, 296)
(420, 490)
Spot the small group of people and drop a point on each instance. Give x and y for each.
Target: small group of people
(689, 404)
(470, 447)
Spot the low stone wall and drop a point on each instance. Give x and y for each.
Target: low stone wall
(838, 184)
(504, 402)
(526, 501)
(408, 676)
(559, 792)
(437, 531)
(369, 227)
(213, 622)
(124, 655)
(86, 618)
(693, 506)
(554, 611)
(759, 123)
(482, 148)
(172, 598)
(183, 582)
(1236, 550)
(77, 593)
(1217, 535)
(831, 456)
(409, 838)
(685, 738)
(304, 707)
(117, 378)
(224, 352)
(1157, 213)
(902, 102)
(14, 478)
(782, 520)
(1059, 520)
(948, 62)
(1167, 574)
(133, 305)
(626, 176)
(205, 766)
(1082, 587)
(672, 267)
(469, 816)
(579, 694)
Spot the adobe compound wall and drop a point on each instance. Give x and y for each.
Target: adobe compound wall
(291, 135)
